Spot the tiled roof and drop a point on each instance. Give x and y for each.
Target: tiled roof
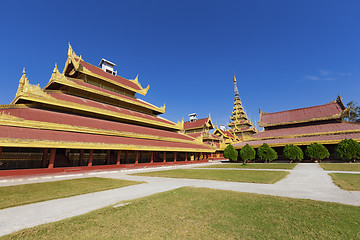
(332, 109)
(301, 140)
(84, 84)
(91, 103)
(194, 135)
(118, 79)
(44, 116)
(318, 128)
(66, 138)
(199, 123)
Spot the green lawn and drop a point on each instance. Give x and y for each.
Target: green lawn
(254, 165)
(347, 181)
(341, 166)
(190, 213)
(221, 175)
(37, 192)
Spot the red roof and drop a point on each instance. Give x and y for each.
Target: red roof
(75, 120)
(116, 78)
(84, 84)
(194, 135)
(302, 114)
(91, 103)
(301, 140)
(199, 123)
(318, 128)
(70, 137)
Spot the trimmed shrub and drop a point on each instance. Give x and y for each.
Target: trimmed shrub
(266, 153)
(348, 149)
(231, 153)
(317, 151)
(293, 152)
(247, 153)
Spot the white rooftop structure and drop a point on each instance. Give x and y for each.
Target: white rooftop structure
(193, 117)
(107, 66)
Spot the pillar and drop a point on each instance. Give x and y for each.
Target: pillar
(81, 156)
(44, 157)
(164, 157)
(151, 157)
(52, 158)
(91, 153)
(174, 157)
(118, 152)
(186, 157)
(107, 157)
(136, 157)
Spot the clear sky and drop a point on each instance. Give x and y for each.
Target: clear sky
(285, 54)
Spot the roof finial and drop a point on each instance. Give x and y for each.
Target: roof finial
(236, 91)
(24, 72)
(55, 68)
(70, 51)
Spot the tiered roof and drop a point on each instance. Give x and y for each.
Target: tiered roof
(88, 108)
(240, 122)
(322, 124)
(331, 111)
(199, 124)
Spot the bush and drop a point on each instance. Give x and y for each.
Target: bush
(247, 153)
(231, 153)
(266, 153)
(348, 149)
(317, 151)
(293, 152)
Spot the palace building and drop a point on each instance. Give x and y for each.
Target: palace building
(89, 116)
(322, 124)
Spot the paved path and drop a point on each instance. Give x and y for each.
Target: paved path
(306, 181)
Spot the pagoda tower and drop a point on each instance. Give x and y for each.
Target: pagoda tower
(240, 123)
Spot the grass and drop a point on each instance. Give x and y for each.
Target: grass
(341, 166)
(347, 181)
(37, 192)
(190, 213)
(254, 165)
(220, 175)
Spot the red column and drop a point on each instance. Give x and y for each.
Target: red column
(0, 151)
(186, 157)
(52, 158)
(164, 157)
(151, 157)
(91, 153)
(136, 157)
(118, 152)
(81, 156)
(174, 156)
(107, 157)
(44, 157)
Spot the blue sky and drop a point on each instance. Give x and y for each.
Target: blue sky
(285, 54)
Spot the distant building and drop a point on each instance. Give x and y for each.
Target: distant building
(322, 124)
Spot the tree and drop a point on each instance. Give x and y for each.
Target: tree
(317, 151)
(247, 153)
(293, 152)
(354, 115)
(266, 153)
(348, 149)
(231, 153)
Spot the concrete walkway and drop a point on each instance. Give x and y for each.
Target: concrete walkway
(306, 181)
